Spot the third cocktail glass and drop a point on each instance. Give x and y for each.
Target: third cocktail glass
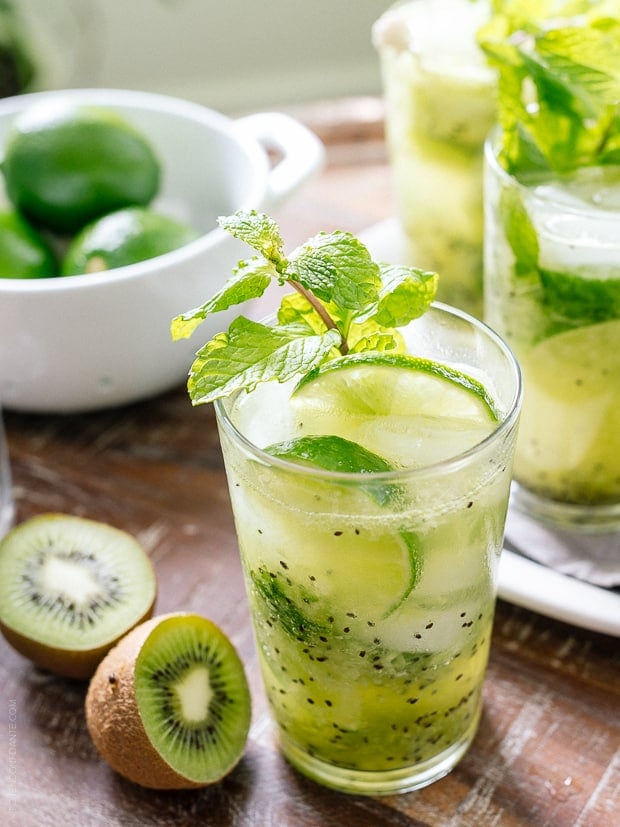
(439, 107)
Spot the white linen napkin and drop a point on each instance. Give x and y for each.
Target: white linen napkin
(592, 557)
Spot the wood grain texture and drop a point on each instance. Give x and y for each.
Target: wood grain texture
(548, 750)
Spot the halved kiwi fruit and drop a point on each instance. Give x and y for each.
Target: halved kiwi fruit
(169, 707)
(70, 588)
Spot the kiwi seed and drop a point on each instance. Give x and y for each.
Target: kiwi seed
(70, 588)
(169, 707)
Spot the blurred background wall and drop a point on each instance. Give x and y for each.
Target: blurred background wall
(232, 55)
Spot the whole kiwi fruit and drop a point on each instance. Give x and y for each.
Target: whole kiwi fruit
(70, 588)
(169, 707)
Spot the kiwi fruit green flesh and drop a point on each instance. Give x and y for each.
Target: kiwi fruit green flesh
(169, 706)
(70, 588)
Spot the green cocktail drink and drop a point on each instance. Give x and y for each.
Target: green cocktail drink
(558, 303)
(552, 253)
(440, 105)
(372, 594)
(367, 436)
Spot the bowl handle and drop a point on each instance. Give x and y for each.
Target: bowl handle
(301, 153)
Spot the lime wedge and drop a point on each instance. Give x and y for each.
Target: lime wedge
(569, 436)
(410, 410)
(335, 454)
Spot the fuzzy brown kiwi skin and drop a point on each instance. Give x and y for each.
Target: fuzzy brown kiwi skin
(114, 721)
(67, 663)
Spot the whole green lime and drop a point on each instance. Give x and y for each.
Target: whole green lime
(24, 254)
(66, 164)
(124, 237)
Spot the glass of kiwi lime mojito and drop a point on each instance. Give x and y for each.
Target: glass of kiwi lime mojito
(557, 300)
(367, 435)
(552, 255)
(440, 105)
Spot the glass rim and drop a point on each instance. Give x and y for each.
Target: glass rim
(472, 72)
(444, 466)
(527, 187)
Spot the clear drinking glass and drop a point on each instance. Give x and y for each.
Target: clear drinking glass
(6, 491)
(552, 289)
(440, 105)
(372, 594)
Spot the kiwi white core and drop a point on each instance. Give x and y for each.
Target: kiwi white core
(194, 693)
(68, 580)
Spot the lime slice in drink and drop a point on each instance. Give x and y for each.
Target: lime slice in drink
(333, 453)
(571, 446)
(359, 550)
(410, 410)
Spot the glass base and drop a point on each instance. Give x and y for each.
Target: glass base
(381, 782)
(583, 518)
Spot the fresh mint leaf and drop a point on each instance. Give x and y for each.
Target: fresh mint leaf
(251, 353)
(249, 281)
(585, 62)
(610, 151)
(336, 267)
(295, 309)
(378, 342)
(519, 230)
(406, 294)
(285, 611)
(569, 298)
(558, 63)
(258, 230)
(584, 300)
(361, 335)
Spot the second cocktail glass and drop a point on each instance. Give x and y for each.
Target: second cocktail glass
(552, 289)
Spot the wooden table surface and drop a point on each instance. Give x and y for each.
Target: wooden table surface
(548, 749)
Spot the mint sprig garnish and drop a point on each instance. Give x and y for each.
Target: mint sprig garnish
(251, 353)
(558, 64)
(343, 301)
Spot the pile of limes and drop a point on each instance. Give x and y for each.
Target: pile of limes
(79, 180)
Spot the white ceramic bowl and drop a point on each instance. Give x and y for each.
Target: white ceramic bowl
(80, 343)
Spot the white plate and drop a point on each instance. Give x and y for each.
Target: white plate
(537, 587)
(523, 581)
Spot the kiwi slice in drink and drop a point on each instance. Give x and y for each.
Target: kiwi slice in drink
(70, 588)
(169, 707)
